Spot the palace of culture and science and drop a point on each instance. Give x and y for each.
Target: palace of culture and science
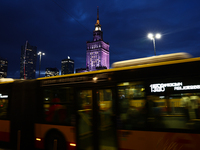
(97, 55)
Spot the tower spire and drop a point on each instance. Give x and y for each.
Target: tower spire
(98, 15)
(97, 25)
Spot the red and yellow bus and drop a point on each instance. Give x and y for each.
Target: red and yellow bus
(150, 103)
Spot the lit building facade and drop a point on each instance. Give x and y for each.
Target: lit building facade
(97, 56)
(3, 68)
(51, 72)
(28, 61)
(67, 66)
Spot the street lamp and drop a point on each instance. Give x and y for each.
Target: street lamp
(152, 37)
(40, 53)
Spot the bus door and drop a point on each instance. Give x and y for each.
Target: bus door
(95, 124)
(84, 120)
(106, 121)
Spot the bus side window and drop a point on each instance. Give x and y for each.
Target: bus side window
(174, 111)
(58, 107)
(190, 108)
(3, 106)
(131, 96)
(154, 107)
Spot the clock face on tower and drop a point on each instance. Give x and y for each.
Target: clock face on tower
(97, 28)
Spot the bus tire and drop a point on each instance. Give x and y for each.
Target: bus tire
(54, 138)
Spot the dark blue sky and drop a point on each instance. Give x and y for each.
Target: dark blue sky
(60, 28)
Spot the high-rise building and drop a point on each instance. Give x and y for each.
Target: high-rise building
(3, 68)
(28, 61)
(51, 72)
(97, 56)
(67, 66)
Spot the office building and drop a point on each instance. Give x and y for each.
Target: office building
(67, 66)
(3, 68)
(28, 61)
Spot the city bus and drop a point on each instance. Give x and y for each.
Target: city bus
(141, 104)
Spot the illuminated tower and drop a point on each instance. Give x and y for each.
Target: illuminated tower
(97, 56)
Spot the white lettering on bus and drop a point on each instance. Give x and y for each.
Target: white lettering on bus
(188, 87)
(160, 87)
(178, 86)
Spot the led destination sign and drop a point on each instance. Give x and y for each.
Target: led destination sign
(178, 86)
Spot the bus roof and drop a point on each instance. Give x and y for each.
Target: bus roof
(149, 60)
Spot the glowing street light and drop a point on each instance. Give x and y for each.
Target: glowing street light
(152, 37)
(40, 53)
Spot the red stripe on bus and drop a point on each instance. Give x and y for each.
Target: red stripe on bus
(4, 136)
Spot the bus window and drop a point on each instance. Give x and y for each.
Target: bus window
(105, 107)
(187, 105)
(85, 111)
(3, 105)
(85, 125)
(155, 107)
(58, 106)
(105, 100)
(106, 125)
(131, 102)
(85, 100)
(175, 111)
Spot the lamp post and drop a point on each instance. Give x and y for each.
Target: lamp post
(153, 37)
(40, 53)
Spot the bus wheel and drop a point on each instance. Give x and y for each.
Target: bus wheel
(55, 141)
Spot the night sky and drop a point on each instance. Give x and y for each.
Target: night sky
(60, 28)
